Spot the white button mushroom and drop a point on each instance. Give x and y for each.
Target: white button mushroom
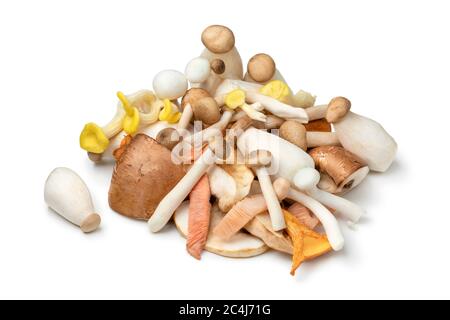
(170, 84)
(197, 71)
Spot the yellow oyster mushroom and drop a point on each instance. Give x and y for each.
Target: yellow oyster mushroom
(276, 89)
(93, 138)
(169, 113)
(132, 119)
(236, 99)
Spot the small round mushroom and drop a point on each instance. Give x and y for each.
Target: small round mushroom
(218, 39)
(206, 110)
(261, 67)
(192, 95)
(197, 70)
(295, 133)
(168, 137)
(170, 84)
(337, 109)
(218, 66)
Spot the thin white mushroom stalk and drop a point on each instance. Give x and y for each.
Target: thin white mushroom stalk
(307, 180)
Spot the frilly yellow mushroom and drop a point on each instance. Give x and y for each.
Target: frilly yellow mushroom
(131, 120)
(169, 112)
(96, 139)
(277, 89)
(236, 99)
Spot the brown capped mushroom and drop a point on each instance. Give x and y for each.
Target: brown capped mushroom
(168, 137)
(206, 110)
(190, 96)
(219, 42)
(296, 133)
(337, 109)
(217, 66)
(261, 67)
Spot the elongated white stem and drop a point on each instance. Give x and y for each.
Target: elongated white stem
(186, 117)
(345, 208)
(174, 198)
(273, 204)
(317, 112)
(278, 108)
(327, 219)
(319, 139)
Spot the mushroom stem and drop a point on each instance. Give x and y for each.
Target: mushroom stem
(176, 196)
(273, 204)
(325, 217)
(307, 179)
(317, 112)
(186, 117)
(318, 139)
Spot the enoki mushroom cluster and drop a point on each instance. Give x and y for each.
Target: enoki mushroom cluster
(200, 149)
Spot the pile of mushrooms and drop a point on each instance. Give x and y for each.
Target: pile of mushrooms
(240, 162)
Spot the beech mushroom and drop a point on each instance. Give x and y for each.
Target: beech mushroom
(260, 68)
(341, 165)
(189, 97)
(206, 110)
(333, 112)
(259, 160)
(168, 137)
(307, 180)
(175, 197)
(241, 245)
(67, 194)
(197, 71)
(296, 133)
(170, 84)
(219, 42)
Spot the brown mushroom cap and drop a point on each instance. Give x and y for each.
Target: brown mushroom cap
(168, 137)
(193, 95)
(218, 66)
(218, 39)
(261, 67)
(295, 133)
(337, 109)
(206, 110)
(259, 158)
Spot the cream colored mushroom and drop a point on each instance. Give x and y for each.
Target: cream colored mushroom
(67, 194)
(219, 42)
(259, 160)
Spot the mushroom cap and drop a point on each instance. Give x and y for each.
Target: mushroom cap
(168, 137)
(218, 39)
(337, 109)
(218, 66)
(170, 84)
(295, 133)
(197, 70)
(306, 178)
(192, 95)
(261, 67)
(259, 158)
(206, 110)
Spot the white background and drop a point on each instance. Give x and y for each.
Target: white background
(61, 63)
